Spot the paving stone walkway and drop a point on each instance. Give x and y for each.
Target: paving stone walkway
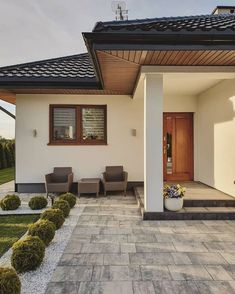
(113, 251)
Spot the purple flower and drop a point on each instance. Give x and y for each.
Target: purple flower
(173, 191)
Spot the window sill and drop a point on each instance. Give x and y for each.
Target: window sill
(77, 144)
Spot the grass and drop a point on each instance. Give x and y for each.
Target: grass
(12, 227)
(7, 175)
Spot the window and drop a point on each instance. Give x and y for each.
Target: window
(64, 124)
(78, 124)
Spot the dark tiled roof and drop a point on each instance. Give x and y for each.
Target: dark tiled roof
(220, 22)
(75, 67)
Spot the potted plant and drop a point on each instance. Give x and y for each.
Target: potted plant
(173, 197)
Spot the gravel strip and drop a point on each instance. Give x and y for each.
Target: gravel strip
(23, 209)
(35, 282)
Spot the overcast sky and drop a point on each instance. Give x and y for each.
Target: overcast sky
(38, 29)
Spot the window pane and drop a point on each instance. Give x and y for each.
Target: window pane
(64, 123)
(169, 165)
(93, 120)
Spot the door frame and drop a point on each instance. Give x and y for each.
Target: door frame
(191, 163)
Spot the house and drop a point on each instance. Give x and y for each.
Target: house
(155, 95)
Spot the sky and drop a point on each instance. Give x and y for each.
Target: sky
(33, 30)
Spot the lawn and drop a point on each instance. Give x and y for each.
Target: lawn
(12, 227)
(7, 175)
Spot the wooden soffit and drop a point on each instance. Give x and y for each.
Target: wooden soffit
(118, 73)
(119, 68)
(8, 96)
(11, 96)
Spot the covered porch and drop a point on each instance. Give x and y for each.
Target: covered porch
(202, 159)
(201, 202)
(198, 193)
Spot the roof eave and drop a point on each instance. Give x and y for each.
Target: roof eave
(173, 41)
(94, 58)
(142, 40)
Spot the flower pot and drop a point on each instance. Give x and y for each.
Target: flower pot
(174, 204)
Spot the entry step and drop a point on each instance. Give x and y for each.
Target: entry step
(209, 202)
(193, 213)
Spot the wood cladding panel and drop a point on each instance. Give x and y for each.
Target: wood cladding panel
(7, 96)
(12, 98)
(199, 57)
(118, 74)
(120, 68)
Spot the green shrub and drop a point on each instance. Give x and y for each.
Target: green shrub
(27, 254)
(62, 205)
(44, 229)
(3, 159)
(7, 153)
(37, 202)
(9, 281)
(10, 202)
(71, 198)
(54, 215)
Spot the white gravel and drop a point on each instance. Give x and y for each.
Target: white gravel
(35, 282)
(23, 209)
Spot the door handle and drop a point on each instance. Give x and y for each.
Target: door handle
(164, 149)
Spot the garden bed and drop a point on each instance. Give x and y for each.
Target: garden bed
(35, 282)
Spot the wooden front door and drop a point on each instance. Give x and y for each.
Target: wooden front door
(178, 146)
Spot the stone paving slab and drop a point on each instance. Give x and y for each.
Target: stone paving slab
(175, 287)
(116, 273)
(112, 250)
(215, 287)
(189, 272)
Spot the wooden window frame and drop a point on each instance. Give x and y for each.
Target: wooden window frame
(79, 136)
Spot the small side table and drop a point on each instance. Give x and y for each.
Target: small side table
(87, 186)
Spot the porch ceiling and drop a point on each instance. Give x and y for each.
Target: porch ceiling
(187, 85)
(185, 80)
(120, 68)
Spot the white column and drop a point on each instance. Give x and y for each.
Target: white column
(153, 145)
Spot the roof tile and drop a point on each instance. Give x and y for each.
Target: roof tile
(75, 66)
(191, 23)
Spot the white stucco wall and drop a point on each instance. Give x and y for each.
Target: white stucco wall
(179, 103)
(216, 137)
(34, 158)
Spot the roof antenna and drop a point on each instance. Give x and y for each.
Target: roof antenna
(119, 8)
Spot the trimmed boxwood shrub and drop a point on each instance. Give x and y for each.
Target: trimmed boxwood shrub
(71, 198)
(27, 254)
(54, 215)
(44, 229)
(37, 202)
(9, 281)
(62, 205)
(10, 202)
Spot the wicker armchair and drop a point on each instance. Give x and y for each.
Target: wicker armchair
(115, 179)
(60, 181)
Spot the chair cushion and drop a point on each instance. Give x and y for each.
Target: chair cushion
(114, 173)
(60, 174)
